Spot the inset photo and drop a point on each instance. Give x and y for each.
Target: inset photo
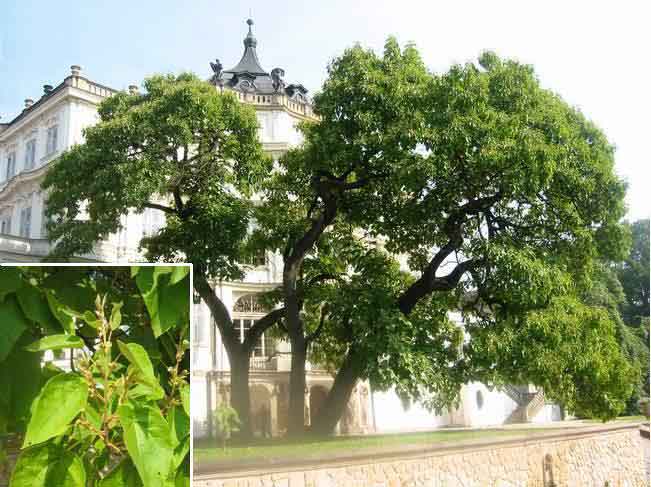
(94, 375)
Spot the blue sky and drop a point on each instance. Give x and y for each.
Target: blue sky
(594, 54)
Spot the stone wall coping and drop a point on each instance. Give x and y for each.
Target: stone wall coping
(250, 468)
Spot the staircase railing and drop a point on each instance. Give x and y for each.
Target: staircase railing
(535, 403)
(513, 393)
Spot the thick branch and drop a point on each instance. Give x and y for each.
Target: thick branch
(260, 326)
(156, 206)
(178, 201)
(429, 283)
(315, 334)
(217, 309)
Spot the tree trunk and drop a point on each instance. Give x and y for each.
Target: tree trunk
(335, 403)
(240, 395)
(296, 420)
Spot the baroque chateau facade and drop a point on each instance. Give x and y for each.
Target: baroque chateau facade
(48, 126)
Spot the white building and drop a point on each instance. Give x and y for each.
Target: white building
(28, 143)
(53, 123)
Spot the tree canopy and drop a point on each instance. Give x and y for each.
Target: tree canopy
(183, 148)
(496, 197)
(412, 195)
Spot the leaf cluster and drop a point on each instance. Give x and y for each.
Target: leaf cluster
(119, 413)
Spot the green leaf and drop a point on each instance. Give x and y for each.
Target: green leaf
(167, 304)
(179, 273)
(10, 281)
(143, 390)
(116, 316)
(185, 398)
(183, 476)
(138, 357)
(67, 472)
(48, 466)
(36, 307)
(91, 319)
(55, 342)
(61, 313)
(150, 443)
(19, 384)
(125, 475)
(134, 270)
(180, 425)
(12, 325)
(62, 398)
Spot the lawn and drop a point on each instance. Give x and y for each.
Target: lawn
(262, 451)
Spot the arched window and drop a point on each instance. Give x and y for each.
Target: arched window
(246, 311)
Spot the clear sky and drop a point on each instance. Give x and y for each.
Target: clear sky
(594, 54)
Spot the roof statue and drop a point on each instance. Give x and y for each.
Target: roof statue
(217, 72)
(277, 75)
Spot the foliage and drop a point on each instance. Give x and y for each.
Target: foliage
(568, 348)
(120, 415)
(180, 147)
(188, 150)
(495, 194)
(227, 422)
(634, 276)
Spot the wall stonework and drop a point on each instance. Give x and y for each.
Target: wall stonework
(609, 457)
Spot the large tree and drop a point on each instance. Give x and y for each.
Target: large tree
(498, 195)
(183, 148)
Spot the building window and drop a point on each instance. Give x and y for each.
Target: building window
(249, 304)
(11, 165)
(480, 400)
(246, 312)
(25, 222)
(257, 259)
(5, 225)
(30, 154)
(44, 221)
(51, 144)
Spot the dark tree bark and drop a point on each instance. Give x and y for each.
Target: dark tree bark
(325, 422)
(240, 394)
(239, 353)
(428, 283)
(294, 258)
(296, 420)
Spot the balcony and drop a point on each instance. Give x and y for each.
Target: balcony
(21, 249)
(262, 363)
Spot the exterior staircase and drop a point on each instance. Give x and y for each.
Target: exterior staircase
(529, 404)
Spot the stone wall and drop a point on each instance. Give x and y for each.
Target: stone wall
(596, 457)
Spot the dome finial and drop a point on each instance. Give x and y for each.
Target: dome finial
(249, 40)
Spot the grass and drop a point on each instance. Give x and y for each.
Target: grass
(271, 450)
(620, 419)
(307, 448)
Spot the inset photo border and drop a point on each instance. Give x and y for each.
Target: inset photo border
(95, 374)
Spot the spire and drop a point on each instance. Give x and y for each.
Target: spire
(250, 40)
(249, 62)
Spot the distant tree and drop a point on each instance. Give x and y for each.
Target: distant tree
(496, 195)
(633, 303)
(185, 149)
(634, 276)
